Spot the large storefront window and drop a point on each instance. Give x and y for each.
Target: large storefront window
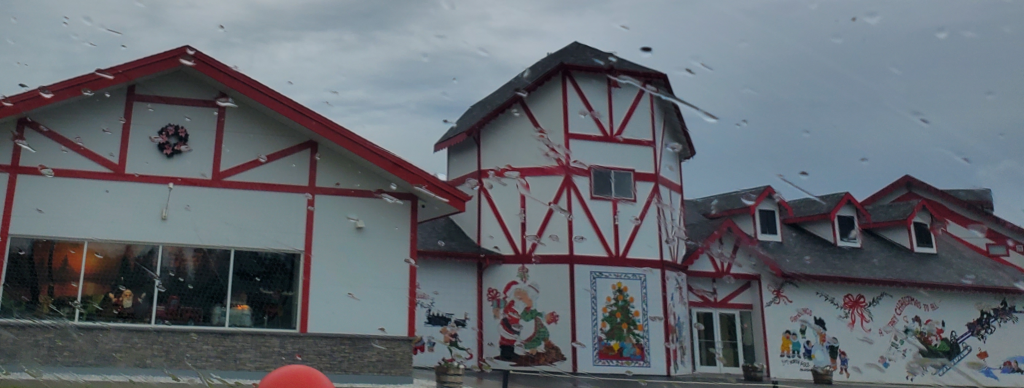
(117, 283)
(194, 286)
(264, 290)
(149, 284)
(42, 279)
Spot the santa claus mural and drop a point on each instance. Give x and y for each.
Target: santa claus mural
(524, 338)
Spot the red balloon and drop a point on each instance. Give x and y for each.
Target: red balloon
(295, 376)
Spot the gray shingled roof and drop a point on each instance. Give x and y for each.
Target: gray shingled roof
(576, 53)
(979, 197)
(805, 207)
(891, 211)
(447, 231)
(725, 202)
(698, 228)
(879, 259)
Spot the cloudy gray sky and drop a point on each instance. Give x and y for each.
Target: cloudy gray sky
(856, 94)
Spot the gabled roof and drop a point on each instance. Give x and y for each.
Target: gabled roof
(176, 58)
(733, 203)
(909, 182)
(575, 56)
(978, 197)
(896, 211)
(442, 237)
(879, 261)
(822, 207)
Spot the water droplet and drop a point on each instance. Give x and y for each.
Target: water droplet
(634, 220)
(628, 372)
(380, 329)
(440, 243)
(807, 259)
(646, 51)
(353, 296)
(410, 261)
(837, 39)
(804, 174)
(46, 171)
(24, 145)
(806, 133)
(188, 118)
(46, 93)
(699, 326)
(864, 161)
(5, 101)
(729, 279)
(226, 102)
(748, 198)
(187, 60)
(78, 140)
(188, 208)
(579, 239)
(105, 130)
(483, 52)
(1019, 284)
(122, 120)
(103, 74)
(87, 92)
(872, 18)
(122, 288)
(40, 211)
(578, 345)
(674, 147)
(262, 158)
(98, 255)
(979, 230)
(310, 208)
(522, 93)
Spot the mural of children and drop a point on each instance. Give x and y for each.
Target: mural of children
(833, 351)
(844, 363)
(803, 331)
(808, 349)
(628, 349)
(787, 344)
(796, 347)
(451, 340)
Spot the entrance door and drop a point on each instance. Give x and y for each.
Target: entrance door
(716, 337)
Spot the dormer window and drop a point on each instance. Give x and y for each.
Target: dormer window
(847, 229)
(606, 183)
(768, 225)
(923, 241)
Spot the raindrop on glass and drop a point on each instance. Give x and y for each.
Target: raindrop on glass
(5, 101)
(804, 174)
(187, 60)
(628, 372)
(98, 255)
(190, 286)
(553, 237)
(699, 326)
(410, 261)
(393, 186)
(46, 171)
(262, 158)
(634, 220)
(864, 161)
(579, 239)
(578, 345)
(978, 229)
(87, 92)
(78, 140)
(46, 93)
(674, 147)
(24, 145)
(440, 243)
(729, 279)
(226, 102)
(837, 39)
(646, 51)
(105, 130)
(522, 93)
(873, 18)
(103, 74)
(122, 288)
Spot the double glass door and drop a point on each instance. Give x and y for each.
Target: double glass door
(716, 335)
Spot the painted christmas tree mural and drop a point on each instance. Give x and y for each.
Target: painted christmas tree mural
(621, 322)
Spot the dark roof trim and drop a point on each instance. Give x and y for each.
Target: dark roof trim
(910, 182)
(831, 215)
(902, 222)
(432, 254)
(905, 283)
(250, 88)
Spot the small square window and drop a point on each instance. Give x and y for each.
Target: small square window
(923, 235)
(998, 250)
(847, 228)
(768, 223)
(611, 184)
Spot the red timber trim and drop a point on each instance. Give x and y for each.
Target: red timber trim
(739, 290)
(307, 257)
(719, 275)
(218, 143)
(593, 221)
(557, 170)
(500, 219)
(12, 183)
(664, 326)
(412, 268)
(277, 155)
(480, 186)
(245, 86)
(768, 190)
(607, 139)
(547, 216)
(572, 313)
(126, 130)
(729, 226)
(480, 312)
(831, 215)
(717, 305)
(908, 182)
(175, 101)
(629, 113)
(586, 104)
(522, 222)
(568, 178)
(764, 329)
(611, 111)
(584, 260)
(52, 134)
(615, 224)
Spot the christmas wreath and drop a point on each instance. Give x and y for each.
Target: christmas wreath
(164, 136)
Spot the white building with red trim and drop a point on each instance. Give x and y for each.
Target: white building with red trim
(175, 195)
(578, 254)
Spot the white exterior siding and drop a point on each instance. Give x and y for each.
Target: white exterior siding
(445, 287)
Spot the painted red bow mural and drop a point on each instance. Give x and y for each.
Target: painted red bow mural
(855, 308)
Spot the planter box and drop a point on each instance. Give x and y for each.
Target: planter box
(753, 373)
(448, 377)
(821, 377)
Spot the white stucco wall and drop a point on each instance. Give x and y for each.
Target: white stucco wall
(878, 354)
(446, 287)
(821, 229)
